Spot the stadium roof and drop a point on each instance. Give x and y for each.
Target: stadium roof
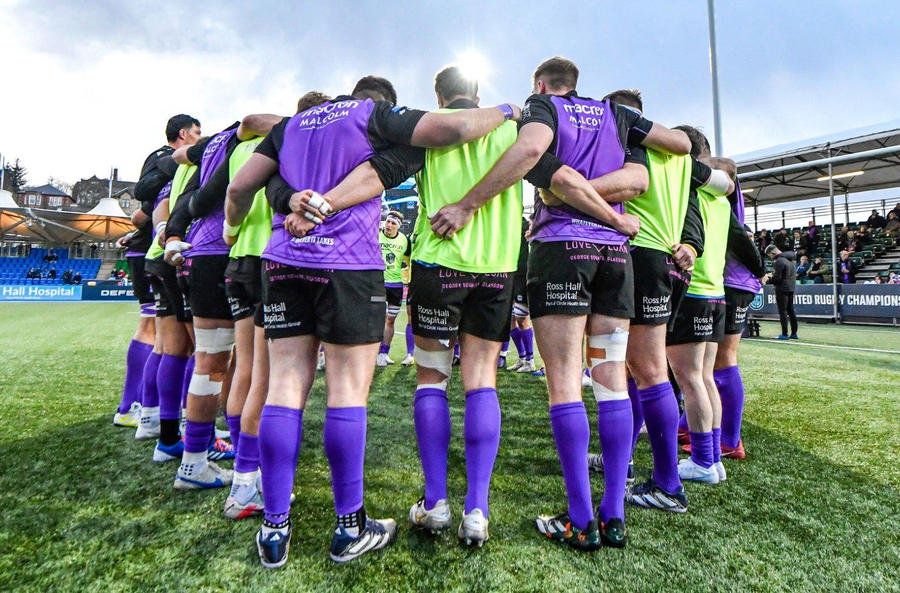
(799, 171)
(105, 222)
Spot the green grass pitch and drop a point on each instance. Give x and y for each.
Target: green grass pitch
(814, 507)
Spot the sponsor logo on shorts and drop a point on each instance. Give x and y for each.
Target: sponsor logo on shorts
(656, 307)
(757, 303)
(563, 294)
(703, 326)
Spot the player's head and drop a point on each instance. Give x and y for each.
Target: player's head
(555, 76)
(772, 252)
(627, 97)
(699, 143)
(182, 129)
(451, 84)
(311, 99)
(375, 88)
(392, 223)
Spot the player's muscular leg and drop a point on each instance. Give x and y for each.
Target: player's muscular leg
(478, 362)
(389, 329)
(715, 404)
(427, 374)
(259, 384)
(176, 340)
(687, 364)
(210, 361)
(610, 374)
(559, 339)
(292, 370)
(146, 330)
(348, 375)
(243, 366)
(726, 354)
(646, 355)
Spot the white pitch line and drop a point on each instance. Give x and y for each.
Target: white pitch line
(796, 343)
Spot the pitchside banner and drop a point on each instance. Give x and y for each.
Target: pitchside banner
(817, 300)
(112, 292)
(29, 292)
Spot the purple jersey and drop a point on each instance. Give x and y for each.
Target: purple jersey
(737, 275)
(587, 139)
(321, 146)
(205, 234)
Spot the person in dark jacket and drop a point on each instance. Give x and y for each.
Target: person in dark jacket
(876, 220)
(811, 232)
(819, 272)
(800, 244)
(784, 280)
(782, 240)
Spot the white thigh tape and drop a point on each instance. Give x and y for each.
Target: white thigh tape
(602, 394)
(202, 386)
(213, 341)
(441, 361)
(607, 347)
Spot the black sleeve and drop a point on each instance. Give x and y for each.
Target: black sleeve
(392, 124)
(741, 248)
(539, 108)
(271, 144)
(692, 232)
(212, 195)
(278, 193)
(180, 217)
(397, 164)
(153, 178)
(700, 173)
(633, 126)
(777, 272)
(635, 153)
(541, 175)
(195, 152)
(408, 251)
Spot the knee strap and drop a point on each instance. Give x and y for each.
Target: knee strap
(440, 361)
(604, 348)
(520, 310)
(393, 310)
(213, 341)
(202, 386)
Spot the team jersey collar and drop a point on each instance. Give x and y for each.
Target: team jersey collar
(462, 103)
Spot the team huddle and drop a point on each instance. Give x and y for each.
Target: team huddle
(260, 245)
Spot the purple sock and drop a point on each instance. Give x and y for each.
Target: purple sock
(527, 337)
(169, 380)
(482, 435)
(246, 457)
(135, 361)
(504, 347)
(572, 434)
(149, 391)
(234, 429)
(410, 340)
(280, 430)
(345, 447)
(515, 335)
(614, 423)
(683, 423)
(188, 373)
(701, 448)
(731, 392)
(197, 436)
(661, 415)
(717, 445)
(432, 418)
(637, 412)
(456, 350)
(384, 349)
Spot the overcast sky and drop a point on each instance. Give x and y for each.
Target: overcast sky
(90, 84)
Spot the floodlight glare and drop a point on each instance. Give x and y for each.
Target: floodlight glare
(841, 175)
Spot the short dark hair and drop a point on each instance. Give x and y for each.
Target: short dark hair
(311, 99)
(699, 143)
(451, 82)
(396, 214)
(627, 97)
(375, 88)
(558, 72)
(177, 123)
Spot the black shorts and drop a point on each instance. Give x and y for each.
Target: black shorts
(243, 285)
(444, 302)
(578, 278)
(698, 320)
(737, 304)
(140, 282)
(394, 295)
(520, 295)
(206, 286)
(168, 290)
(659, 286)
(336, 306)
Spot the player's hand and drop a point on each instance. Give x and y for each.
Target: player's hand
(517, 112)
(765, 278)
(298, 225)
(311, 205)
(683, 256)
(122, 242)
(549, 198)
(627, 224)
(174, 247)
(450, 219)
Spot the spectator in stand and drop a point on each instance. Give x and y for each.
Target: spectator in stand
(875, 280)
(893, 277)
(864, 236)
(803, 269)
(812, 237)
(846, 268)
(800, 244)
(112, 275)
(76, 279)
(876, 220)
(764, 240)
(853, 243)
(67, 277)
(782, 240)
(896, 210)
(819, 272)
(94, 249)
(32, 274)
(784, 280)
(52, 273)
(843, 238)
(892, 227)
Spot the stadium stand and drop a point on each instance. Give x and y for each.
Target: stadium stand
(14, 270)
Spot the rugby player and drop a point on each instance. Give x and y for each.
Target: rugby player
(395, 249)
(579, 278)
(521, 332)
(324, 282)
(692, 340)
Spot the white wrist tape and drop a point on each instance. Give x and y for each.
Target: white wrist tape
(718, 181)
(160, 227)
(231, 231)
